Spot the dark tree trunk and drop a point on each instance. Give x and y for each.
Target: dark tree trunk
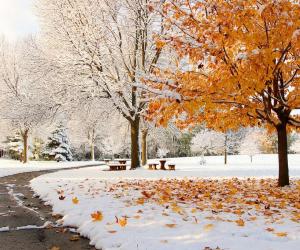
(135, 147)
(144, 146)
(25, 145)
(283, 179)
(92, 138)
(225, 150)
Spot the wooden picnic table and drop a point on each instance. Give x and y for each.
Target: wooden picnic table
(117, 167)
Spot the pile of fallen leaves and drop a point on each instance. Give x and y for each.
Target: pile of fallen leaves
(246, 199)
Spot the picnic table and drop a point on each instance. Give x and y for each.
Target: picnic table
(116, 166)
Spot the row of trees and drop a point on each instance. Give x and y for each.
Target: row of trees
(228, 64)
(161, 143)
(57, 146)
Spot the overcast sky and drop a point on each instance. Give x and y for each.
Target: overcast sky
(17, 18)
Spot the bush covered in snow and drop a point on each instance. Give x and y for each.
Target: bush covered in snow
(58, 146)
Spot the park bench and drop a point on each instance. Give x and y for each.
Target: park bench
(171, 166)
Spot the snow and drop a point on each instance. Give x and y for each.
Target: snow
(4, 229)
(146, 227)
(11, 167)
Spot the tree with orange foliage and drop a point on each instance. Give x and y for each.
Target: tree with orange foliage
(238, 64)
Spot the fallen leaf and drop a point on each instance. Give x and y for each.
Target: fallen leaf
(74, 238)
(240, 223)
(112, 231)
(75, 200)
(61, 197)
(140, 201)
(97, 216)
(122, 221)
(170, 225)
(281, 234)
(208, 227)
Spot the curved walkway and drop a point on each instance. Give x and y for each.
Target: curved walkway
(26, 223)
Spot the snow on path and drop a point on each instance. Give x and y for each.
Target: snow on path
(146, 228)
(11, 167)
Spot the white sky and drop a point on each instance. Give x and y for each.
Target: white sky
(17, 18)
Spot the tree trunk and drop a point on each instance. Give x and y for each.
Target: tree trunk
(144, 146)
(92, 151)
(225, 150)
(92, 146)
(135, 147)
(283, 179)
(25, 145)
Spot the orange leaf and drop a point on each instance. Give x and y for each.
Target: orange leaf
(170, 225)
(140, 201)
(75, 200)
(240, 222)
(97, 216)
(281, 234)
(208, 227)
(122, 221)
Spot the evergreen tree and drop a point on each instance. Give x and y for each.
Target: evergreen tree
(14, 146)
(58, 146)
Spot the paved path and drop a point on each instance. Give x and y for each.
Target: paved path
(18, 208)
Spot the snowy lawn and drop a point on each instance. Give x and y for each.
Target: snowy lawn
(180, 209)
(11, 167)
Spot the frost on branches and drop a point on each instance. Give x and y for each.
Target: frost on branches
(295, 148)
(251, 143)
(58, 146)
(208, 142)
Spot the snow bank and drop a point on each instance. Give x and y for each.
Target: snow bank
(146, 228)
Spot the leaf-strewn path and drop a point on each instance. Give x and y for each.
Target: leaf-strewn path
(19, 209)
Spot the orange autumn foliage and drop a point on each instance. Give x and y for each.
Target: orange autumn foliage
(97, 216)
(243, 61)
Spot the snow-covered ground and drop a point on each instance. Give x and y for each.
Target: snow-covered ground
(11, 167)
(191, 208)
